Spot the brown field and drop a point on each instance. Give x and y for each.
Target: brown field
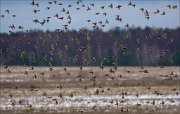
(126, 90)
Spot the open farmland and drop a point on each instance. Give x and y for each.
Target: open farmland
(89, 57)
(89, 90)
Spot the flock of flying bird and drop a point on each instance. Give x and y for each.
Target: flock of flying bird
(80, 5)
(94, 81)
(96, 26)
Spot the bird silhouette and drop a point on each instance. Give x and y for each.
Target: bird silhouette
(157, 11)
(118, 7)
(7, 11)
(111, 5)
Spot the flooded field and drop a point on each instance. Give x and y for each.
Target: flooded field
(89, 90)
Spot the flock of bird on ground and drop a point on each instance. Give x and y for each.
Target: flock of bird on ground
(94, 82)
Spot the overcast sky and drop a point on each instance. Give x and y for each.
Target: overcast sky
(133, 16)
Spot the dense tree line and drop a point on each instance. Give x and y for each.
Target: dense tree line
(121, 47)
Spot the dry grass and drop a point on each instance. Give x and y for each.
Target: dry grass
(155, 84)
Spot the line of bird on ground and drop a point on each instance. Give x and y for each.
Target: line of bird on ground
(99, 90)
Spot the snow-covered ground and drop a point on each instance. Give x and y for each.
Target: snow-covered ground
(82, 101)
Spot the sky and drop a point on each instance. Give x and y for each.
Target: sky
(133, 16)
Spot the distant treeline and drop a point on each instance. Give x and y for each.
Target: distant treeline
(121, 47)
